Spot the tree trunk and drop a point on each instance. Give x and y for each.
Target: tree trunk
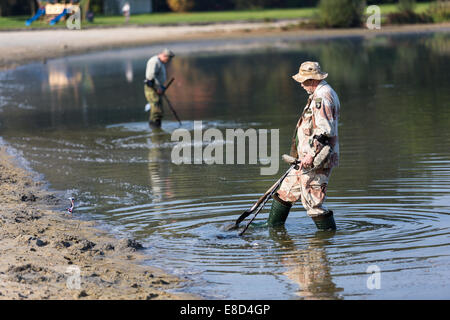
(33, 7)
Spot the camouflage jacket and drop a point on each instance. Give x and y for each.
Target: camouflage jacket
(318, 126)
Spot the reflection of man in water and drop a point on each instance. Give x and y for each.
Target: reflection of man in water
(158, 169)
(155, 77)
(129, 71)
(308, 267)
(315, 137)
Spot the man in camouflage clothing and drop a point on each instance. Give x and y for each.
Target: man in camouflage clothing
(316, 131)
(155, 77)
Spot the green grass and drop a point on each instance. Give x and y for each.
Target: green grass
(389, 8)
(18, 22)
(211, 17)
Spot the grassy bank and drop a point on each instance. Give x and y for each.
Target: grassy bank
(18, 22)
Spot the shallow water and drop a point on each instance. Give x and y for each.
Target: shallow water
(80, 122)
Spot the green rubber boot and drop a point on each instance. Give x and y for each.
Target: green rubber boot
(155, 124)
(278, 213)
(325, 221)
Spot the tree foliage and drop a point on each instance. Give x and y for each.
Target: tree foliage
(181, 5)
(341, 13)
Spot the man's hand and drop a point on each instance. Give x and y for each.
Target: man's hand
(306, 162)
(161, 90)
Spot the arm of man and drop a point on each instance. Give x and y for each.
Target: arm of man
(324, 118)
(150, 70)
(152, 73)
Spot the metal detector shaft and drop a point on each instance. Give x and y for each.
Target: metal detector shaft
(172, 109)
(168, 84)
(248, 212)
(268, 197)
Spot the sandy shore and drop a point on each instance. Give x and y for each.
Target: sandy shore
(43, 250)
(19, 47)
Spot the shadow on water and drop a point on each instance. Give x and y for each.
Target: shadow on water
(80, 121)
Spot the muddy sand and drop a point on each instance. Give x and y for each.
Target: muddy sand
(43, 249)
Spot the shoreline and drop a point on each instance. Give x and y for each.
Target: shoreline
(22, 47)
(44, 249)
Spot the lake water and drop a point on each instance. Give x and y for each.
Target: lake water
(80, 122)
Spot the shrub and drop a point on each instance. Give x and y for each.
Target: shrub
(341, 13)
(251, 4)
(406, 5)
(440, 11)
(408, 17)
(181, 5)
(96, 6)
(406, 14)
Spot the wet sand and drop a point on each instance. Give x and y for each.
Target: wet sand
(42, 249)
(19, 47)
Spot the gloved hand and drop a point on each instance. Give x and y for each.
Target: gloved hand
(307, 162)
(161, 90)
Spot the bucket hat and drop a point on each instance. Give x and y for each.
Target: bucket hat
(309, 70)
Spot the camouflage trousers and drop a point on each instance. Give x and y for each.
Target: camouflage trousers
(156, 112)
(310, 187)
